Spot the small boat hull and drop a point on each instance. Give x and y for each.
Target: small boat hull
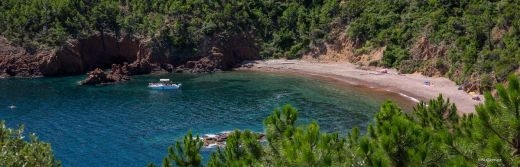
(164, 84)
(164, 87)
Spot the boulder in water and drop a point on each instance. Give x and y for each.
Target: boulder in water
(220, 139)
(96, 76)
(119, 73)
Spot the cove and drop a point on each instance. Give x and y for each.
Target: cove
(128, 124)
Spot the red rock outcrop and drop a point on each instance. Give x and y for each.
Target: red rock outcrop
(79, 56)
(119, 73)
(472, 86)
(97, 76)
(223, 53)
(16, 61)
(76, 57)
(431, 55)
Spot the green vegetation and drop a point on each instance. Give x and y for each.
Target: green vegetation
(15, 151)
(473, 37)
(479, 38)
(432, 135)
(185, 153)
(467, 40)
(281, 28)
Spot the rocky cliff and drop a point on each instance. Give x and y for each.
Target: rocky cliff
(222, 53)
(16, 61)
(134, 55)
(97, 51)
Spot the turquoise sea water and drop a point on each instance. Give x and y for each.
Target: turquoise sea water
(130, 125)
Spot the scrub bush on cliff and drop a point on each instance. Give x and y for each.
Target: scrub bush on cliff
(183, 24)
(15, 151)
(476, 34)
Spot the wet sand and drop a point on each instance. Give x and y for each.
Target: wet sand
(410, 86)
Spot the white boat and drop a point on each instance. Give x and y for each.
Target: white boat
(164, 84)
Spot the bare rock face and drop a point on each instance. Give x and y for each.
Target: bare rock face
(472, 86)
(77, 56)
(17, 62)
(119, 73)
(97, 76)
(223, 53)
(23, 66)
(80, 56)
(423, 50)
(132, 55)
(140, 67)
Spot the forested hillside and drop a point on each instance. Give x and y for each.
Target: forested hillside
(469, 41)
(473, 42)
(281, 28)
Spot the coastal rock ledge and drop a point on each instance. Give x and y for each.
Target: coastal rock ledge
(125, 54)
(97, 76)
(219, 139)
(119, 73)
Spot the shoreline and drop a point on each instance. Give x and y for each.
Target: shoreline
(409, 86)
(405, 102)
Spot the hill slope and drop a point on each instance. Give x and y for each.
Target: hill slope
(475, 43)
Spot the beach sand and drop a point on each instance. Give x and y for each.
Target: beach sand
(411, 85)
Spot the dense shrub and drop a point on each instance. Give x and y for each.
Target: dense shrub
(17, 151)
(287, 28)
(482, 36)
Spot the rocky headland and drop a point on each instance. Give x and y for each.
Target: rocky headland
(123, 56)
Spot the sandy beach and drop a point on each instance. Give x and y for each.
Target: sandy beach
(411, 85)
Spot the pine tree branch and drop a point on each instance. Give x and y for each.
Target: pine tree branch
(488, 125)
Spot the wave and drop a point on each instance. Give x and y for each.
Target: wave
(410, 97)
(210, 135)
(214, 145)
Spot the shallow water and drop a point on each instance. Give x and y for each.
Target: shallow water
(129, 125)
